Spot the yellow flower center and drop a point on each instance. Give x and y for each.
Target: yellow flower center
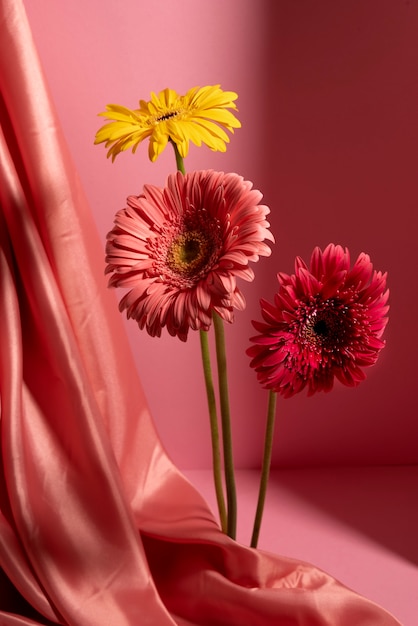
(189, 253)
(186, 249)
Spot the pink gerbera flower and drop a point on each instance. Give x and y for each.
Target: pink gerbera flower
(326, 321)
(180, 249)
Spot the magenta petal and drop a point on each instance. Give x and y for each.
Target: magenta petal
(326, 322)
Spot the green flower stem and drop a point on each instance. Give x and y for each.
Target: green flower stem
(179, 158)
(213, 418)
(210, 393)
(231, 495)
(265, 471)
(228, 518)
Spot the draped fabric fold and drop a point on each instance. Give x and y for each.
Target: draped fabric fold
(96, 524)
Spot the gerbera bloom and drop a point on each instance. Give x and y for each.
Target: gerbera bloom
(200, 116)
(326, 321)
(180, 249)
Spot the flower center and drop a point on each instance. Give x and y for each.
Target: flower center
(187, 248)
(189, 253)
(327, 333)
(321, 328)
(325, 325)
(166, 116)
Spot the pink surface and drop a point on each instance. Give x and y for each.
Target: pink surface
(328, 99)
(359, 524)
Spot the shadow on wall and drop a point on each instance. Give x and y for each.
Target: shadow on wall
(379, 502)
(338, 114)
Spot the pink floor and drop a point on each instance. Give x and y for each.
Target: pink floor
(358, 524)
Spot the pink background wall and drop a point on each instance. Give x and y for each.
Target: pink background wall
(328, 100)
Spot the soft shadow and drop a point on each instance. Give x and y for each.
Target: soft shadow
(11, 601)
(380, 502)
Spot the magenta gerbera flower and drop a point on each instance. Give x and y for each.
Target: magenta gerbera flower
(180, 249)
(326, 322)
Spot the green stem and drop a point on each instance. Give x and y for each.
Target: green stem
(231, 495)
(213, 418)
(265, 471)
(216, 457)
(179, 158)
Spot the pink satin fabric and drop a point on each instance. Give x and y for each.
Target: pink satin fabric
(97, 527)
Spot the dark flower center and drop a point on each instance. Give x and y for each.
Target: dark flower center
(167, 116)
(192, 247)
(324, 325)
(321, 328)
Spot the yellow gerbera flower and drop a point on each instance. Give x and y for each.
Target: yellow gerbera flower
(200, 116)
